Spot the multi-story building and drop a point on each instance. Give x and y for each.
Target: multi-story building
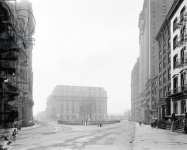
(135, 102)
(16, 32)
(177, 17)
(150, 20)
(172, 49)
(164, 76)
(77, 103)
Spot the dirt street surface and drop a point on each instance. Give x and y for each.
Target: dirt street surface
(120, 136)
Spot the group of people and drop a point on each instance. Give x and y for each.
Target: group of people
(173, 122)
(100, 125)
(85, 123)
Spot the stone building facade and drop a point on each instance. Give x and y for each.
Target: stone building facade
(178, 33)
(172, 53)
(164, 76)
(76, 103)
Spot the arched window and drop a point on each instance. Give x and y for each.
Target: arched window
(183, 106)
(175, 84)
(182, 56)
(175, 61)
(175, 24)
(175, 42)
(182, 12)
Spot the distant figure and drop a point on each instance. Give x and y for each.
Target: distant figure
(185, 123)
(14, 134)
(173, 118)
(140, 123)
(100, 125)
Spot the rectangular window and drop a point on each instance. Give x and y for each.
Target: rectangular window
(182, 13)
(185, 56)
(175, 24)
(182, 80)
(182, 56)
(183, 106)
(168, 107)
(175, 85)
(182, 34)
(175, 107)
(175, 42)
(175, 61)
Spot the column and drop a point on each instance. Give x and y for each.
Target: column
(179, 106)
(171, 106)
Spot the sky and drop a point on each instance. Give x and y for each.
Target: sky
(85, 43)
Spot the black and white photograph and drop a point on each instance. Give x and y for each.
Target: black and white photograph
(93, 75)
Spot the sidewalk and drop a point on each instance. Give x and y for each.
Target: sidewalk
(147, 138)
(30, 127)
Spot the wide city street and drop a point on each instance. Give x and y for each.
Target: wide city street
(120, 136)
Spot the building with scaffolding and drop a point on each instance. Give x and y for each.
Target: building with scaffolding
(16, 77)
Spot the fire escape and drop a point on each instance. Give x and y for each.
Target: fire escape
(16, 32)
(8, 64)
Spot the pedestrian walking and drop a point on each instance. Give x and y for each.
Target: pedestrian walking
(14, 134)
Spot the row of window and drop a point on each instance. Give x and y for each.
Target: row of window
(183, 58)
(164, 62)
(164, 44)
(165, 77)
(183, 38)
(183, 82)
(182, 18)
(163, 92)
(177, 24)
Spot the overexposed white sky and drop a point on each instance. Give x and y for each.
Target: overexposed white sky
(88, 43)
